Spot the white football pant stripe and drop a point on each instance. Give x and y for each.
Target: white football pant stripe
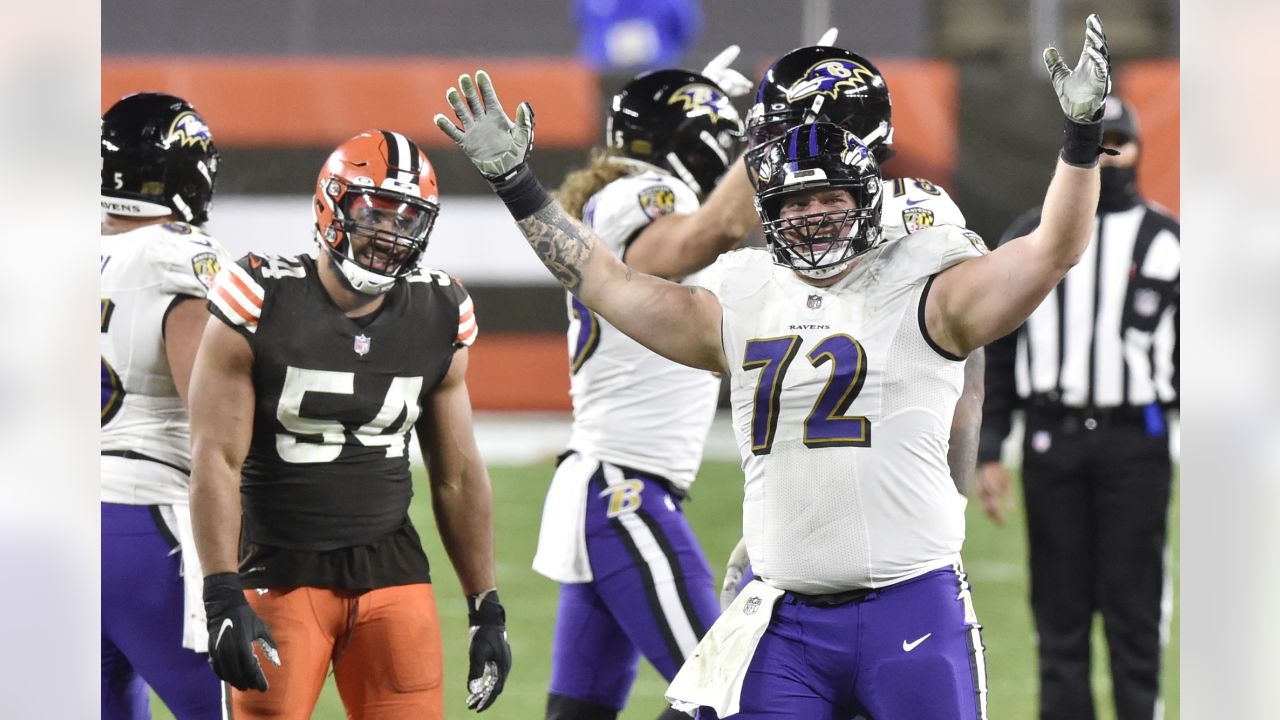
(660, 570)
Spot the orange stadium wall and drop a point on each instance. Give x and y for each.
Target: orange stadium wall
(295, 101)
(1152, 87)
(519, 371)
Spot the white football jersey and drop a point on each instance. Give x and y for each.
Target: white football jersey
(842, 410)
(145, 437)
(914, 204)
(632, 407)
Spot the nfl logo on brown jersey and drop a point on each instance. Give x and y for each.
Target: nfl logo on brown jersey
(362, 345)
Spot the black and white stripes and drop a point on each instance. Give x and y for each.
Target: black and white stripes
(1105, 336)
(404, 160)
(656, 559)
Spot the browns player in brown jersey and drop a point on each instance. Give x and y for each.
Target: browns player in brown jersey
(308, 381)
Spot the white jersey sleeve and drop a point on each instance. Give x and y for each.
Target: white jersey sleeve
(145, 435)
(928, 252)
(632, 407)
(624, 207)
(914, 204)
(188, 268)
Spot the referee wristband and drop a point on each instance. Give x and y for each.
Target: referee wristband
(521, 192)
(1082, 143)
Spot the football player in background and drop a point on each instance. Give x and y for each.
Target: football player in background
(309, 378)
(850, 512)
(634, 580)
(159, 164)
(823, 83)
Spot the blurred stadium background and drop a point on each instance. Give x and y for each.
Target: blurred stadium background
(281, 83)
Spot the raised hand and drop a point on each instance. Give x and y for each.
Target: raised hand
(1082, 91)
(732, 82)
(494, 144)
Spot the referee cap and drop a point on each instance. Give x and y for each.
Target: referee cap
(1119, 117)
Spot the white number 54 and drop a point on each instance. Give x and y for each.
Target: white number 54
(402, 396)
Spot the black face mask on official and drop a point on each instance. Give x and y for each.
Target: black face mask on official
(1119, 188)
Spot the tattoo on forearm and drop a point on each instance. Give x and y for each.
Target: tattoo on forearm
(560, 243)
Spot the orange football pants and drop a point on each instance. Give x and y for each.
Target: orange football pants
(384, 646)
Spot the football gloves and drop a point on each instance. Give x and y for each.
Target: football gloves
(494, 144)
(1082, 91)
(733, 83)
(233, 629)
(488, 651)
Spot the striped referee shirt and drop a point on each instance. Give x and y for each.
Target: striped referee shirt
(1105, 337)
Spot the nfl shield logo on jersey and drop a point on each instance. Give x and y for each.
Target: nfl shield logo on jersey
(362, 345)
(752, 605)
(814, 302)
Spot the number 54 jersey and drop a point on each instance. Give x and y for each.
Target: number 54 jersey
(336, 399)
(842, 410)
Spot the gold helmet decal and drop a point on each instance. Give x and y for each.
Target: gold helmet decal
(187, 129)
(701, 98)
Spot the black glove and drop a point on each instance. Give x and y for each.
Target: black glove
(489, 652)
(233, 628)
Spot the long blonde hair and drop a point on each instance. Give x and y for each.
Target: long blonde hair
(578, 186)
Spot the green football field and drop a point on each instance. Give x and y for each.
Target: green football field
(995, 558)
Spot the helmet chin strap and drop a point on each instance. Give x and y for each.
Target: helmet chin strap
(356, 278)
(823, 273)
(363, 281)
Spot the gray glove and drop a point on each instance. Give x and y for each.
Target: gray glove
(733, 83)
(1082, 91)
(494, 144)
(733, 572)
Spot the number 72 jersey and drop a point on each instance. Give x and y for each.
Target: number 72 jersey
(842, 411)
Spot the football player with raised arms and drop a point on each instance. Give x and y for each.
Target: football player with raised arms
(634, 580)
(824, 83)
(845, 360)
(159, 165)
(308, 381)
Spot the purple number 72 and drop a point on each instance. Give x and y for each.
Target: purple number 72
(826, 425)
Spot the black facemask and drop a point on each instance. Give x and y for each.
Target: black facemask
(1119, 189)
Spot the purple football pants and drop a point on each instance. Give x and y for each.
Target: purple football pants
(912, 651)
(652, 592)
(142, 624)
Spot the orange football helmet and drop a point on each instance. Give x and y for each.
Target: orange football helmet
(375, 204)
